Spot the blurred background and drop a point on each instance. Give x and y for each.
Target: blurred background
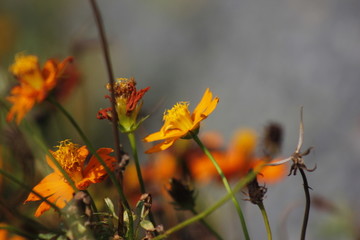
(262, 58)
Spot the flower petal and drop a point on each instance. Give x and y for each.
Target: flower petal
(205, 107)
(160, 135)
(46, 187)
(94, 172)
(55, 189)
(162, 146)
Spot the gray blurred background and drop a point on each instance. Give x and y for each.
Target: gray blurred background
(263, 58)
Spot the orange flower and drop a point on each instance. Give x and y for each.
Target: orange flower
(179, 122)
(35, 83)
(72, 159)
(6, 235)
(236, 161)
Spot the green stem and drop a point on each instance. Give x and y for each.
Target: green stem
(18, 232)
(266, 220)
(18, 182)
(133, 145)
(213, 232)
(132, 141)
(101, 161)
(242, 183)
(226, 184)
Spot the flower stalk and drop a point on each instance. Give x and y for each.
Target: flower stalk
(266, 220)
(226, 184)
(242, 183)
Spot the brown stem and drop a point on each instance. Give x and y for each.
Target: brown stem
(105, 48)
(307, 206)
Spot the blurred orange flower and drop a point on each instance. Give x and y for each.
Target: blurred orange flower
(72, 159)
(236, 161)
(35, 83)
(178, 122)
(5, 235)
(156, 175)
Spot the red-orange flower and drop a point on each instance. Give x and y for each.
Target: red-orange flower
(236, 161)
(72, 159)
(35, 83)
(178, 122)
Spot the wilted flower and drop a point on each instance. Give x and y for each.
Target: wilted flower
(128, 102)
(35, 83)
(179, 122)
(72, 159)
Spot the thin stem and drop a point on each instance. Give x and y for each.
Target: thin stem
(132, 141)
(133, 145)
(29, 189)
(242, 183)
(18, 232)
(213, 232)
(307, 206)
(226, 184)
(101, 161)
(100, 26)
(266, 220)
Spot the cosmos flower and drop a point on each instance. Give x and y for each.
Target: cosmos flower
(128, 103)
(179, 122)
(34, 83)
(235, 161)
(72, 159)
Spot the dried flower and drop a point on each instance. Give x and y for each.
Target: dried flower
(128, 103)
(182, 195)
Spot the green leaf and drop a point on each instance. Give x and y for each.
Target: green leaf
(47, 235)
(110, 206)
(147, 225)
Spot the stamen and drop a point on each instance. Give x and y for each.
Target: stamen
(68, 156)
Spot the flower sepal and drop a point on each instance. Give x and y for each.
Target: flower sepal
(190, 134)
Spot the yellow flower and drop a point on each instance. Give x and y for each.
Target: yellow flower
(35, 83)
(72, 159)
(179, 122)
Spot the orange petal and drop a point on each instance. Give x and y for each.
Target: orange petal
(46, 187)
(205, 100)
(205, 107)
(162, 146)
(43, 207)
(94, 172)
(272, 174)
(174, 133)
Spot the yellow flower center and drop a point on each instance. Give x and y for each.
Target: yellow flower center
(26, 68)
(178, 117)
(70, 158)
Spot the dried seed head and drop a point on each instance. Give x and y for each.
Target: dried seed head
(273, 138)
(256, 192)
(182, 195)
